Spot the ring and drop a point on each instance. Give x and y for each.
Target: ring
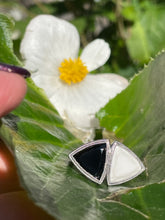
(100, 159)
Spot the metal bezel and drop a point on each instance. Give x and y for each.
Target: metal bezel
(89, 145)
(113, 146)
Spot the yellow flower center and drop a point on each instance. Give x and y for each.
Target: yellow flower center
(73, 71)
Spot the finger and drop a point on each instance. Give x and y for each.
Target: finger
(8, 174)
(12, 196)
(12, 91)
(17, 205)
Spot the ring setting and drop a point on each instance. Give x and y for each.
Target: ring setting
(99, 159)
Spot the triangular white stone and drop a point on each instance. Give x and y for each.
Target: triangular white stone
(125, 165)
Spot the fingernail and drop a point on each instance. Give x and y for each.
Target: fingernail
(14, 69)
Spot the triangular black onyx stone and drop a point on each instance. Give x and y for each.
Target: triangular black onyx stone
(92, 159)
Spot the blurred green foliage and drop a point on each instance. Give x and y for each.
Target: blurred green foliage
(134, 29)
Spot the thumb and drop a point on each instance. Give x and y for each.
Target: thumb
(12, 90)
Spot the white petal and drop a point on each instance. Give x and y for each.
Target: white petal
(95, 54)
(57, 92)
(78, 103)
(85, 135)
(47, 41)
(49, 83)
(81, 101)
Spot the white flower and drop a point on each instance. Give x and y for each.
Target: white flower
(50, 48)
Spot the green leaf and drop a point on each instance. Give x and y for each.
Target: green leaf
(80, 24)
(41, 144)
(137, 117)
(6, 45)
(128, 12)
(147, 202)
(147, 36)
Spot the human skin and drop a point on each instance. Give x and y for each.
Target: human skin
(12, 91)
(14, 201)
